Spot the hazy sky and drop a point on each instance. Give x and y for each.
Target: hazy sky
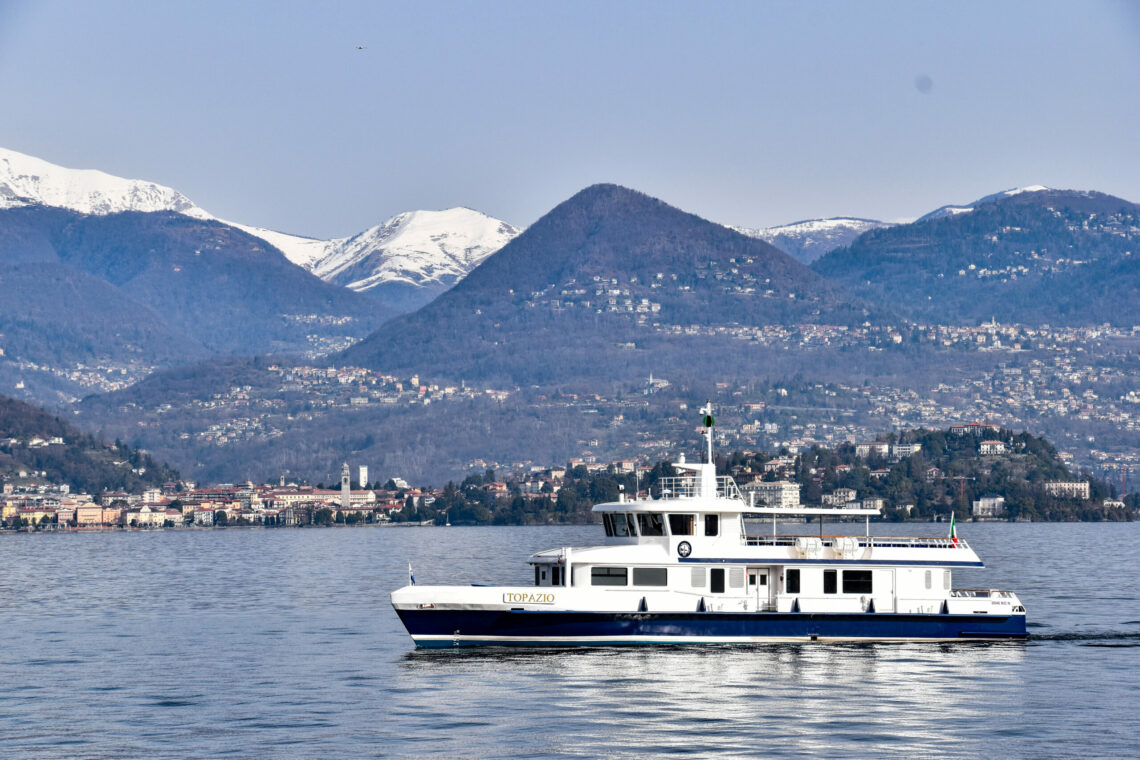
(745, 113)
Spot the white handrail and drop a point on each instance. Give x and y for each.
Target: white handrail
(881, 542)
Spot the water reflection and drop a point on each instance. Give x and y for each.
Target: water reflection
(780, 700)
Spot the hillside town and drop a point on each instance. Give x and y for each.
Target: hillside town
(560, 493)
(1070, 384)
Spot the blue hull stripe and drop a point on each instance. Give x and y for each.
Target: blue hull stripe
(550, 627)
(793, 562)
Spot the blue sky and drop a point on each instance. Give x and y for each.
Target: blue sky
(745, 113)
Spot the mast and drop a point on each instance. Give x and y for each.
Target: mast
(707, 481)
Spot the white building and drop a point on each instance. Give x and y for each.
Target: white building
(839, 497)
(1078, 489)
(779, 493)
(989, 448)
(904, 450)
(989, 506)
(877, 448)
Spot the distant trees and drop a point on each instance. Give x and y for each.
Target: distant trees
(1018, 476)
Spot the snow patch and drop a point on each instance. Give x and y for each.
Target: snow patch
(25, 181)
(956, 210)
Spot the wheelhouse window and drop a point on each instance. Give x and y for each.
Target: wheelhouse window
(650, 576)
(619, 524)
(609, 576)
(712, 525)
(555, 576)
(791, 581)
(681, 525)
(830, 582)
(856, 581)
(651, 524)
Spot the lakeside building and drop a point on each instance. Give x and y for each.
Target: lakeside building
(990, 505)
(1078, 489)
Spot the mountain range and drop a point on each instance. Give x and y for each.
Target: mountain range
(607, 283)
(405, 261)
(610, 287)
(1034, 256)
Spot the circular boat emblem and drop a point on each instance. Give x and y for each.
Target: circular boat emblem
(684, 549)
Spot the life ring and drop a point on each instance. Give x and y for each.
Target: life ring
(684, 549)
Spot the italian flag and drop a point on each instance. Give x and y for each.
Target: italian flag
(953, 530)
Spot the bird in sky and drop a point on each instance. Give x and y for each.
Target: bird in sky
(359, 47)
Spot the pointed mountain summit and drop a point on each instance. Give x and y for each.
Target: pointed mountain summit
(406, 261)
(596, 281)
(1035, 256)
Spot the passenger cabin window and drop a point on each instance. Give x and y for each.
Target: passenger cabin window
(681, 525)
(651, 524)
(537, 575)
(650, 576)
(792, 582)
(946, 579)
(830, 582)
(619, 524)
(555, 576)
(927, 580)
(716, 580)
(698, 577)
(712, 525)
(609, 576)
(856, 581)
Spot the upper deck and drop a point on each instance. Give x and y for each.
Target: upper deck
(701, 516)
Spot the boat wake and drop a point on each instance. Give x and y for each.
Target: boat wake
(1094, 639)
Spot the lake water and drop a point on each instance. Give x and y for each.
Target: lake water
(282, 643)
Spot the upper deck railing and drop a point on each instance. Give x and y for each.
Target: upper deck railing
(689, 487)
(874, 542)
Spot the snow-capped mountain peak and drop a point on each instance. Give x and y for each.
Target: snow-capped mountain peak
(807, 240)
(26, 180)
(418, 253)
(429, 250)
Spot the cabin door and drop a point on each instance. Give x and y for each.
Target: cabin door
(759, 587)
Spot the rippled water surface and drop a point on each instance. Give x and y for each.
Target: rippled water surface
(253, 643)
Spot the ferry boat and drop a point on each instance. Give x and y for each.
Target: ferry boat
(699, 564)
